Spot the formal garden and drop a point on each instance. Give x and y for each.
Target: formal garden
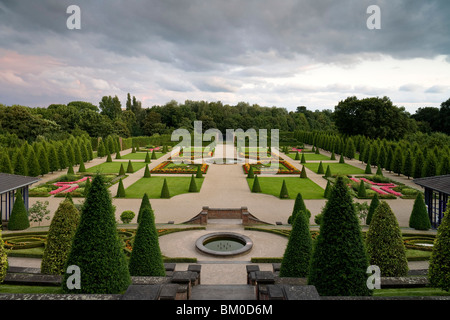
(354, 177)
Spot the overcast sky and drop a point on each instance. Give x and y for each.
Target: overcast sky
(283, 53)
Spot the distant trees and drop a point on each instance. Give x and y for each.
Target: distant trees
(44, 156)
(372, 117)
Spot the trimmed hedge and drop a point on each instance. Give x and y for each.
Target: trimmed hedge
(297, 255)
(146, 258)
(3, 260)
(339, 261)
(419, 219)
(439, 270)
(384, 243)
(59, 239)
(19, 216)
(96, 247)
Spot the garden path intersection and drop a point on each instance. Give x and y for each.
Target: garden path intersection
(224, 186)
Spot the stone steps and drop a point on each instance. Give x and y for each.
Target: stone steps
(223, 292)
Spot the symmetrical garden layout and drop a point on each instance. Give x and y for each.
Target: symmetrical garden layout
(178, 168)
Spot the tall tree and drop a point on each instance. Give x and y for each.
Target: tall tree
(430, 168)
(96, 247)
(419, 216)
(397, 161)
(339, 261)
(439, 269)
(111, 107)
(18, 219)
(384, 243)
(297, 255)
(408, 164)
(372, 117)
(59, 239)
(418, 164)
(146, 258)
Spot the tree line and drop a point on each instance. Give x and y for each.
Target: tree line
(406, 156)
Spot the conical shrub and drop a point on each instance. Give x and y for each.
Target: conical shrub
(320, 168)
(373, 206)
(328, 172)
(193, 185)
(303, 173)
(130, 167)
(147, 172)
(327, 191)
(121, 170)
(339, 246)
(120, 190)
(146, 258)
(199, 173)
(439, 269)
(379, 171)
(256, 188)
(82, 168)
(96, 248)
(108, 158)
(368, 169)
(145, 203)
(384, 243)
(419, 219)
(70, 170)
(165, 193)
(362, 190)
(250, 173)
(297, 255)
(284, 194)
(147, 158)
(18, 219)
(299, 205)
(303, 160)
(59, 239)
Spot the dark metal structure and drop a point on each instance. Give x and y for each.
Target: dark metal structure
(9, 185)
(436, 196)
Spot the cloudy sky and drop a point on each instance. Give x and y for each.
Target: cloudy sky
(283, 53)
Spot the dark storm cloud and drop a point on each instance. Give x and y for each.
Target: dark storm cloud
(216, 46)
(204, 35)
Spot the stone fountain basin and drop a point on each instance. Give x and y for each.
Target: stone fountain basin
(245, 243)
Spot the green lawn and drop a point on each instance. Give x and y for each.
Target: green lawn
(8, 288)
(152, 186)
(141, 155)
(410, 292)
(336, 168)
(295, 185)
(114, 167)
(309, 156)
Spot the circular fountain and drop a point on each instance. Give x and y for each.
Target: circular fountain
(224, 244)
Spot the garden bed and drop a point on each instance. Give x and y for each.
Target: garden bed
(284, 167)
(68, 183)
(168, 167)
(385, 187)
